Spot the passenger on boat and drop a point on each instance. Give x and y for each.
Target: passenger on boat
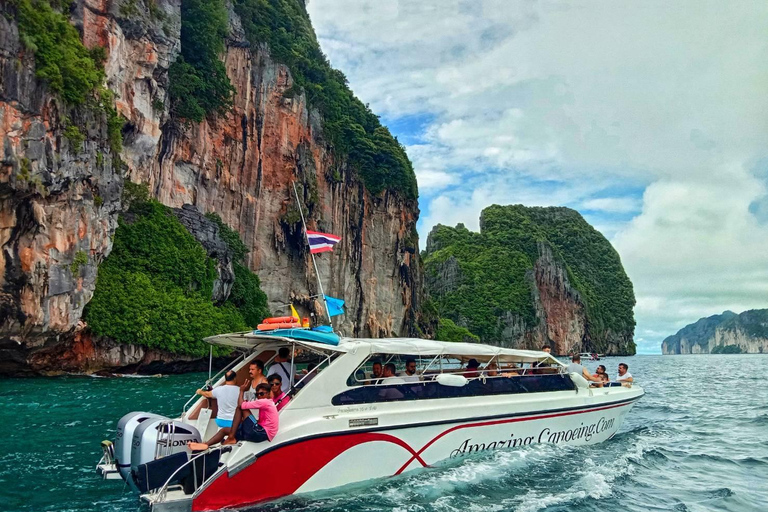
(390, 377)
(280, 367)
(492, 370)
(249, 428)
(256, 373)
(390, 370)
(576, 367)
(599, 371)
(624, 376)
(410, 371)
(280, 398)
(472, 366)
(227, 398)
(605, 381)
(377, 371)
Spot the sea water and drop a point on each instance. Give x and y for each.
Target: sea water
(697, 441)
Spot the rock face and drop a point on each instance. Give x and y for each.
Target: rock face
(532, 276)
(59, 205)
(748, 331)
(207, 233)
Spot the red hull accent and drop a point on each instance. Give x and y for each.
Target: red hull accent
(282, 471)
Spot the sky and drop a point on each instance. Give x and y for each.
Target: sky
(648, 117)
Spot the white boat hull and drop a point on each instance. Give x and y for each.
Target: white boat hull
(335, 459)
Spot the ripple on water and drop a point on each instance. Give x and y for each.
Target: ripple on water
(680, 449)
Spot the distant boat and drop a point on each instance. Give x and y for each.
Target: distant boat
(591, 356)
(342, 425)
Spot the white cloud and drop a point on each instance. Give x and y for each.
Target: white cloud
(556, 103)
(612, 204)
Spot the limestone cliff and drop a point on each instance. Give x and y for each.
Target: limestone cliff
(532, 276)
(59, 204)
(745, 333)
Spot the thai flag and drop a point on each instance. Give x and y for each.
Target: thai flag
(321, 242)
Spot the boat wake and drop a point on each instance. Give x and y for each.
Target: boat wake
(529, 479)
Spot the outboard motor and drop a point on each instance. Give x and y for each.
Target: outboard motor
(122, 448)
(157, 438)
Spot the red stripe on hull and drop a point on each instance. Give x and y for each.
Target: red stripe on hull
(283, 471)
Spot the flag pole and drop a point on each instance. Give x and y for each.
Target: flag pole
(314, 263)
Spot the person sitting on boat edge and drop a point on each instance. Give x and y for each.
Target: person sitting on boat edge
(625, 378)
(410, 371)
(576, 367)
(227, 398)
(245, 426)
(280, 398)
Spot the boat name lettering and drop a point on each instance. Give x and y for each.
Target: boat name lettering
(363, 422)
(362, 408)
(581, 432)
(546, 435)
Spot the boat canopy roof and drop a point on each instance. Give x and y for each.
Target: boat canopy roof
(404, 346)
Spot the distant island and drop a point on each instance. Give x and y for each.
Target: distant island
(728, 333)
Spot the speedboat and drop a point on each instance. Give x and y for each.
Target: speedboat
(344, 425)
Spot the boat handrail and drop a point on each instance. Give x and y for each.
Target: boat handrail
(160, 493)
(213, 379)
(482, 376)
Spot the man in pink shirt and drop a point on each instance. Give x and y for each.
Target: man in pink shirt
(250, 429)
(280, 398)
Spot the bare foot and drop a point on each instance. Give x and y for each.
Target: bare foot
(229, 440)
(197, 447)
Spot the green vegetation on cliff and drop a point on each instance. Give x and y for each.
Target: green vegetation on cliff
(155, 287)
(67, 66)
(61, 59)
(726, 349)
(199, 85)
(447, 330)
(481, 277)
(354, 131)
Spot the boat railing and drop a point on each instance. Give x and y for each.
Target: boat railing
(213, 379)
(160, 494)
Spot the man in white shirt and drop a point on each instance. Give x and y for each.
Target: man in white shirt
(624, 376)
(410, 371)
(227, 397)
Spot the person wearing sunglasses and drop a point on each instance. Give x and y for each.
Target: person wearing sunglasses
(280, 398)
(249, 428)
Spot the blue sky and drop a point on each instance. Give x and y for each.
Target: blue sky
(650, 118)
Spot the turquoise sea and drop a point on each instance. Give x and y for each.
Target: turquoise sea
(698, 441)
